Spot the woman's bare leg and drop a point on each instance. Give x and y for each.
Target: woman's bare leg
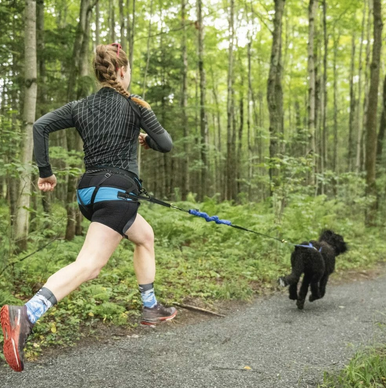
(141, 234)
(100, 243)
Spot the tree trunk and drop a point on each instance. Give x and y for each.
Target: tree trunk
(97, 24)
(366, 91)
(371, 124)
(240, 145)
(350, 152)
(275, 91)
(131, 31)
(147, 52)
(324, 95)
(335, 145)
(230, 191)
(40, 49)
(219, 170)
(382, 128)
(184, 104)
(312, 9)
(122, 25)
(203, 118)
(359, 120)
(112, 20)
(29, 111)
(80, 70)
(249, 120)
(46, 197)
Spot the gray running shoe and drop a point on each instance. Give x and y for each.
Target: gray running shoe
(157, 314)
(16, 329)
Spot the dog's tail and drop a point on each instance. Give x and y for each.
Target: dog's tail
(297, 270)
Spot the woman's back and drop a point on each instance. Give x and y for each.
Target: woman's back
(109, 128)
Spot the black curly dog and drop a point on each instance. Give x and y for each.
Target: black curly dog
(317, 262)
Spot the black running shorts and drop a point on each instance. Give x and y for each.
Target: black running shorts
(98, 199)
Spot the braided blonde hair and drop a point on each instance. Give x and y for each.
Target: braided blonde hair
(108, 59)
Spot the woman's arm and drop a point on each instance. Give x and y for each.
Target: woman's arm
(158, 139)
(51, 122)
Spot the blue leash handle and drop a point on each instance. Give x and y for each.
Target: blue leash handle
(208, 218)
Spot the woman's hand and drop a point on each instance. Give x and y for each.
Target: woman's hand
(47, 184)
(142, 140)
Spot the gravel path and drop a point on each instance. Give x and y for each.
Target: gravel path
(284, 347)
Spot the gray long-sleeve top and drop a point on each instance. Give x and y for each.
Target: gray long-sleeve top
(109, 125)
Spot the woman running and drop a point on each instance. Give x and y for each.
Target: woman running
(109, 124)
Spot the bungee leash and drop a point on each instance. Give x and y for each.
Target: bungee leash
(143, 195)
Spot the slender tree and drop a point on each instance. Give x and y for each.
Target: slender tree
(184, 103)
(359, 105)
(274, 88)
(147, 51)
(122, 25)
(231, 178)
(112, 20)
(203, 118)
(312, 9)
(324, 94)
(382, 127)
(336, 104)
(371, 124)
(79, 73)
(362, 155)
(352, 106)
(131, 30)
(29, 111)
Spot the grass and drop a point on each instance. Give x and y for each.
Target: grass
(367, 369)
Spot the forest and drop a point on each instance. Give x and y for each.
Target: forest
(262, 99)
(277, 111)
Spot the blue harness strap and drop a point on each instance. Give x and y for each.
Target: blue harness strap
(309, 246)
(84, 196)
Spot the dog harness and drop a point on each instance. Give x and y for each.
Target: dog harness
(309, 246)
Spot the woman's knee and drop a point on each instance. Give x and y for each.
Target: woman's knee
(89, 269)
(93, 273)
(147, 238)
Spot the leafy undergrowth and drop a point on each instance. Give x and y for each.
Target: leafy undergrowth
(195, 260)
(366, 370)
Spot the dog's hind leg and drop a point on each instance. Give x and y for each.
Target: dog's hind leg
(315, 290)
(303, 291)
(293, 291)
(292, 280)
(322, 286)
(294, 276)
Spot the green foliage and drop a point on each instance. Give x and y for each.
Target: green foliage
(366, 370)
(195, 259)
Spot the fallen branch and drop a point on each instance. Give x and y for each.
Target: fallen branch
(189, 307)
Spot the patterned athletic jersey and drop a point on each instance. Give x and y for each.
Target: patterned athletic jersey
(109, 125)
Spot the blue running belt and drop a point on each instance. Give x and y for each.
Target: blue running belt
(104, 194)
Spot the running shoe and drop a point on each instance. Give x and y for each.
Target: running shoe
(157, 314)
(16, 329)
